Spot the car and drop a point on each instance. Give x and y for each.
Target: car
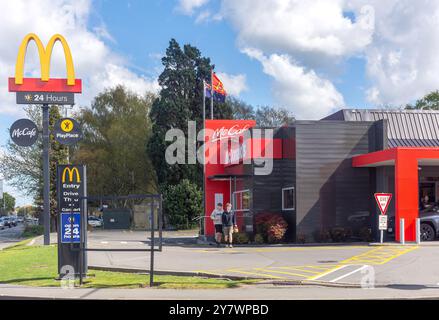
(20, 220)
(95, 222)
(429, 223)
(2, 224)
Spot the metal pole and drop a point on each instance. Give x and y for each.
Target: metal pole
(381, 236)
(418, 231)
(401, 231)
(46, 175)
(211, 94)
(203, 227)
(160, 223)
(151, 268)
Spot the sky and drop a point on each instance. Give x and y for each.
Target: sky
(312, 57)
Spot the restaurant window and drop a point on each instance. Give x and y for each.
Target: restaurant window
(288, 199)
(241, 200)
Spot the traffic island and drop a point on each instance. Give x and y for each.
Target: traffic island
(36, 266)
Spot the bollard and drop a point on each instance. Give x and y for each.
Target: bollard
(401, 231)
(418, 231)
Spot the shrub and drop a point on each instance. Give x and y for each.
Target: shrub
(340, 234)
(182, 203)
(301, 238)
(259, 239)
(365, 234)
(32, 231)
(241, 238)
(271, 226)
(322, 235)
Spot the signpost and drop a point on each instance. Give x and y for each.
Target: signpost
(44, 91)
(383, 201)
(72, 182)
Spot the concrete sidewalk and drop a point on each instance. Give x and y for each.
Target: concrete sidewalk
(262, 292)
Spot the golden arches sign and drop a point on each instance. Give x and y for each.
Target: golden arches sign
(45, 57)
(71, 172)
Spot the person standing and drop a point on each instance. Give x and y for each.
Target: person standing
(216, 216)
(229, 223)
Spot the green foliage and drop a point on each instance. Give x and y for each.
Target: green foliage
(241, 238)
(7, 204)
(340, 234)
(23, 167)
(116, 129)
(365, 234)
(265, 116)
(182, 203)
(259, 239)
(180, 101)
(271, 226)
(322, 235)
(32, 231)
(429, 102)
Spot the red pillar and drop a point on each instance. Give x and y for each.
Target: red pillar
(406, 193)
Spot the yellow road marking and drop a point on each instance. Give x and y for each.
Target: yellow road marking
(256, 273)
(281, 272)
(298, 269)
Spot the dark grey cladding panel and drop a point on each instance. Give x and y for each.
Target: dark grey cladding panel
(406, 128)
(328, 189)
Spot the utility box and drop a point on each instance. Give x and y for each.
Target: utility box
(142, 217)
(118, 218)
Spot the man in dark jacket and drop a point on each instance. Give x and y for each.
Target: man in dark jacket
(229, 222)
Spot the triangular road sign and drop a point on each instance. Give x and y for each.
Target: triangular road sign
(383, 201)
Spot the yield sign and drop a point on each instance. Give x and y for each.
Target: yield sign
(383, 201)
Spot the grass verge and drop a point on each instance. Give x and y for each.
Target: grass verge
(37, 266)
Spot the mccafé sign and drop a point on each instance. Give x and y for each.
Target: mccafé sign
(224, 133)
(24, 132)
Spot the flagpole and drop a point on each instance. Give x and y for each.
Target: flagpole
(204, 163)
(211, 93)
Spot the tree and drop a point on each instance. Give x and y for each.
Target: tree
(273, 117)
(265, 116)
(116, 130)
(182, 203)
(23, 166)
(7, 204)
(429, 102)
(180, 101)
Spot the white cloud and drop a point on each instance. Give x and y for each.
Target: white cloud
(308, 95)
(402, 62)
(188, 7)
(297, 26)
(94, 61)
(234, 84)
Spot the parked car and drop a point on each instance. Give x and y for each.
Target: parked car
(20, 219)
(429, 223)
(95, 222)
(2, 224)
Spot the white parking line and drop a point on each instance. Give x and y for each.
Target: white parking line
(348, 274)
(104, 242)
(123, 242)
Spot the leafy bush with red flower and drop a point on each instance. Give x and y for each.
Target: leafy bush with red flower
(271, 226)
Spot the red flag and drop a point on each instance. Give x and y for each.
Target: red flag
(218, 86)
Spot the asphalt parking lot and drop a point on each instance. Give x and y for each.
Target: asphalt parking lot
(357, 265)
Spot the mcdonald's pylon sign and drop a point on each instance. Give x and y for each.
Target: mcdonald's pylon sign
(45, 83)
(71, 173)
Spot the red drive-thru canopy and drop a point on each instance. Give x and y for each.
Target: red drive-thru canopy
(228, 144)
(406, 161)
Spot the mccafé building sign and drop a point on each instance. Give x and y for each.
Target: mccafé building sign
(323, 174)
